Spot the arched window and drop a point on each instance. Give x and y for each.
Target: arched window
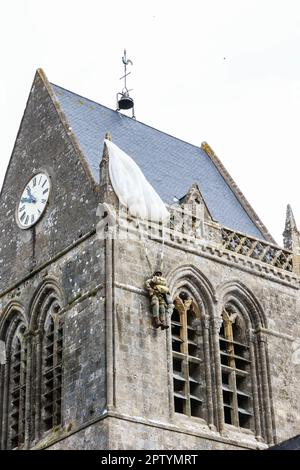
(52, 368)
(47, 351)
(236, 369)
(187, 351)
(17, 389)
(246, 396)
(13, 382)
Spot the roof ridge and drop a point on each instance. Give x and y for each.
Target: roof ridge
(128, 117)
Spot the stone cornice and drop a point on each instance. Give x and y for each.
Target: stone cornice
(215, 252)
(171, 427)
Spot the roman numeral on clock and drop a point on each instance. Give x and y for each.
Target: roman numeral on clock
(33, 200)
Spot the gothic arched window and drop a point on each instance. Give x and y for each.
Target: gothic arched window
(52, 368)
(236, 369)
(187, 352)
(47, 349)
(245, 381)
(13, 377)
(17, 389)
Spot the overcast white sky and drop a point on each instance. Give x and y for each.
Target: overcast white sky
(222, 71)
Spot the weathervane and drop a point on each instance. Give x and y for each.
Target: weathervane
(124, 101)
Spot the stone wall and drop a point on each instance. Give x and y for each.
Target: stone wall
(142, 353)
(43, 144)
(84, 359)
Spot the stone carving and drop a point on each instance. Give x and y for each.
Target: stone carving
(229, 314)
(160, 299)
(183, 303)
(257, 249)
(291, 235)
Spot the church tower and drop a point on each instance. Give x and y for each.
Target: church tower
(83, 363)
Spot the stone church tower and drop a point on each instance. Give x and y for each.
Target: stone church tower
(82, 365)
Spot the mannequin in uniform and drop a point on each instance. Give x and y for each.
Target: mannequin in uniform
(161, 302)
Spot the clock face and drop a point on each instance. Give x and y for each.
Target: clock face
(33, 200)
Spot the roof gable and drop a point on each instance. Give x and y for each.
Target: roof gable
(44, 144)
(170, 164)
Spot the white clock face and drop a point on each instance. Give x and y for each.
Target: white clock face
(33, 200)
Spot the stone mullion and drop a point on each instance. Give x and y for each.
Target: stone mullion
(185, 351)
(265, 386)
(5, 402)
(22, 389)
(27, 428)
(259, 372)
(31, 389)
(170, 370)
(255, 396)
(2, 368)
(9, 405)
(187, 386)
(228, 333)
(234, 401)
(207, 364)
(218, 374)
(58, 374)
(270, 395)
(38, 385)
(55, 371)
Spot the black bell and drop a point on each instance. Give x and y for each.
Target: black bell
(125, 102)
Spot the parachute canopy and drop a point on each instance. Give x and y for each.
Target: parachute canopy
(132, 188)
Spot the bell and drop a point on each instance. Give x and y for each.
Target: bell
(125, 102)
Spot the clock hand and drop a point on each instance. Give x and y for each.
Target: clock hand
(27, 199)
(32, 198)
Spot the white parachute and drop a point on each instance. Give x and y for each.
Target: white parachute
(132, 188)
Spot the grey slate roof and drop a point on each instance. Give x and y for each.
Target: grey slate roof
(170, 164)
(290, 444)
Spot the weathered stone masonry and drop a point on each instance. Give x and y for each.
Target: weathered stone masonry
(85, 368)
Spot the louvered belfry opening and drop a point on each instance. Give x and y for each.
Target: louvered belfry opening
(52, 370)
(17, 390)
(187, 362)
(236, 370)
